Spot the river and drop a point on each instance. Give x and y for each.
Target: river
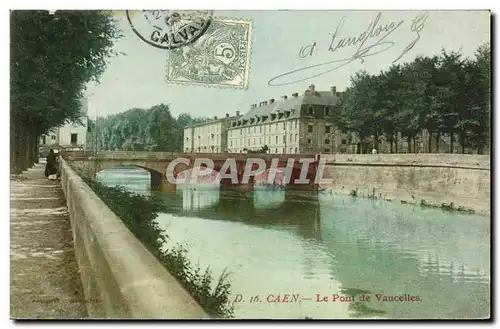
(286, 253)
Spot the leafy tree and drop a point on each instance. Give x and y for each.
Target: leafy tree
(52, 59)
(154, 129)
(444, 95)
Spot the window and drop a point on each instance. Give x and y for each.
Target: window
(269, 139)
(310, 128)
(327, 111)
(328, 129)
(296, 151)
(254, 141)
(254, 129)
(308, 141)
(284, 138)
(241, 131)
(74, 138)
(53, 137)
(344, 142)
(296, 138)
(296, 124)
(290, 138)
(43, 139)
(231, 143)
(327, 150)
(275, 151)
(283, 127)
(310, 110)
(260, 129)
(283, 150)
(276, 139)
(327, 141)
(249, 142)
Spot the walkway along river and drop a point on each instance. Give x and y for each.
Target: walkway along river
(288, 254)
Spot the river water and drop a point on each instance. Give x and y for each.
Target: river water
(288, 254)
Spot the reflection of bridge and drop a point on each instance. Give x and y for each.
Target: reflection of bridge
(297, 212)
(157, 163)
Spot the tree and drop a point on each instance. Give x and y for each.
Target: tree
(52, 59)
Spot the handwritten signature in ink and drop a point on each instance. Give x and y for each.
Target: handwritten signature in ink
(364, 49)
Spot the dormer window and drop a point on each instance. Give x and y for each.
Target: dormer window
(287, 114)
(273, 116)
(327, 111)
(310, 110)
(280, 115)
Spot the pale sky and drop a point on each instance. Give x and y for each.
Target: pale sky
(138, 79)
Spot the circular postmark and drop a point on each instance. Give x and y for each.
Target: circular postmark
(168, 29)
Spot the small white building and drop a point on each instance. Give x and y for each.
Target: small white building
(69, 135)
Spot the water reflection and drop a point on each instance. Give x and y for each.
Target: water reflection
(276, 242)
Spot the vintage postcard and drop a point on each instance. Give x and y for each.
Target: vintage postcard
(273, 164)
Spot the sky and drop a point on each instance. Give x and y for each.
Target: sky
(137, 79)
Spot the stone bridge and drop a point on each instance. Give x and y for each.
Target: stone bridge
(157, 163)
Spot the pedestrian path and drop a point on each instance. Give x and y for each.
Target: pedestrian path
(44, 278)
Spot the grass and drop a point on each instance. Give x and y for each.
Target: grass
(139, 214)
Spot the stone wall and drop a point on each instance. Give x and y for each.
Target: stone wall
(431, 179)
(121, 278)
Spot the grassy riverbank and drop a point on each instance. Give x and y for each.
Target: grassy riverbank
(139, 214)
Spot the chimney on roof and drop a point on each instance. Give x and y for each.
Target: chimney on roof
(215, 117)
(227, 115)
(284, 97)
(265, 102)
(295, 94)
(334, 90)
(312, 88)
(237, 113)
(271, 100)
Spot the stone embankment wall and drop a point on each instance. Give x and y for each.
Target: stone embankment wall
(430, 179)
(121, 278)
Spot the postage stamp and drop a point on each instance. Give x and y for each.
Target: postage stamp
(168, 29)
(220, 57)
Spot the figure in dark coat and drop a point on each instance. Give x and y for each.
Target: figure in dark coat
(51, 167)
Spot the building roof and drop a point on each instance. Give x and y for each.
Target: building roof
(291, 105)
(212, 121)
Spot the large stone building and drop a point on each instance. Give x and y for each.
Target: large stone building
(209, 136)
(293, 125)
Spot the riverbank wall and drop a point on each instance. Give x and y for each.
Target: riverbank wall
(458, 181)
(120, 277)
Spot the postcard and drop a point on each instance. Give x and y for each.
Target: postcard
(273, 164)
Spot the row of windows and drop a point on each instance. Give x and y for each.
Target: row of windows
(259, 128)
(203, 149)
(295, 139)
(279, 150)
(310, 129)
(208, 128)
(310, 111)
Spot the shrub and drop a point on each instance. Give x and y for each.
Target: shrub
(139, 214)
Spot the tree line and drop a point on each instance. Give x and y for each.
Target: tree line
(153, 129)
(52, 58)
(446, 95)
